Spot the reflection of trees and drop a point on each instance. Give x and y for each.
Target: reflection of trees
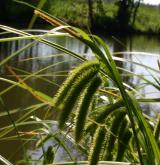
(121, 46)
(35, 58)
(129, 66)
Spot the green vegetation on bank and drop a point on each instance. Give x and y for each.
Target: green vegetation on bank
(148, 19)
(76, 13)
(110, 16)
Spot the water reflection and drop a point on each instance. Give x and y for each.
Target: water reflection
(122, 45)
(139, 44)
(37, 59)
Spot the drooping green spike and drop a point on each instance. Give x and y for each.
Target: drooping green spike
(157, 129)
(98, 141)
(122, 144)
(74, 93)
(69, 82)
(118, 118)
(49, 155)
(83, 109)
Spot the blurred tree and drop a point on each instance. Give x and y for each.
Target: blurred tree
(137, 4)
(12, 13)
(3, 10)
(100, 7)
(90, 13)
(123, 16)
(127, 10)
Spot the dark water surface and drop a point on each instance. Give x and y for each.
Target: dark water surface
(40, 56)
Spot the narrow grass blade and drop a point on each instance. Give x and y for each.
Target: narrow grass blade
(5, 161)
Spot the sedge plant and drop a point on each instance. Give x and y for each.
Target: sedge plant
(112, 132)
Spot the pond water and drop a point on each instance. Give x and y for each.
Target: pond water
(53, 65)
